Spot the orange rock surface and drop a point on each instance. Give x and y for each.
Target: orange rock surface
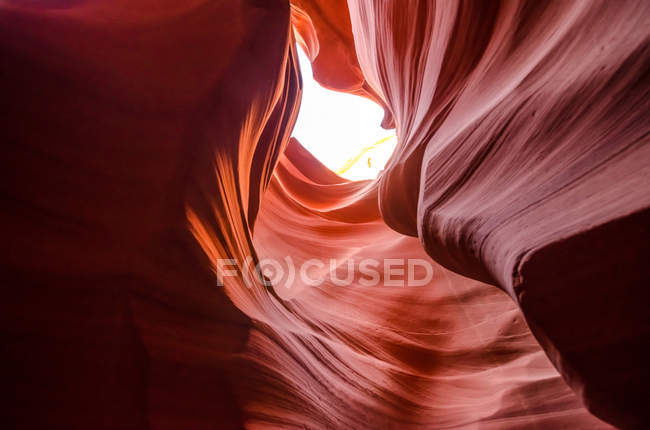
(146, 141)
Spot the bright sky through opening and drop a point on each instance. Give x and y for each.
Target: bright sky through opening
(341, 130)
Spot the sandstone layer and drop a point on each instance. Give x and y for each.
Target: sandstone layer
(146, 141)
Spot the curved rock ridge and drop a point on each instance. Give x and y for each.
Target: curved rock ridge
(454, 353)
(145, 143)
(138, 139)
(528, 123)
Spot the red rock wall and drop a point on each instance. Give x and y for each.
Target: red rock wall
(128, 128)
(529, 124)
(145, 140)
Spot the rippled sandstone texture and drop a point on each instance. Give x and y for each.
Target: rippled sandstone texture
(143, 140)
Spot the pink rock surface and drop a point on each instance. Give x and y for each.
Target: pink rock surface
(144, 141)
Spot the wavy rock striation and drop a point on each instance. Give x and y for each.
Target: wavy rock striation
(145, 141)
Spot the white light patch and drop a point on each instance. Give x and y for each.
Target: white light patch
(341, 130)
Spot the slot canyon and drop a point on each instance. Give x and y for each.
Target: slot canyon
(150, 167)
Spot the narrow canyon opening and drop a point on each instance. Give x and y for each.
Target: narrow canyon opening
(342, 130)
